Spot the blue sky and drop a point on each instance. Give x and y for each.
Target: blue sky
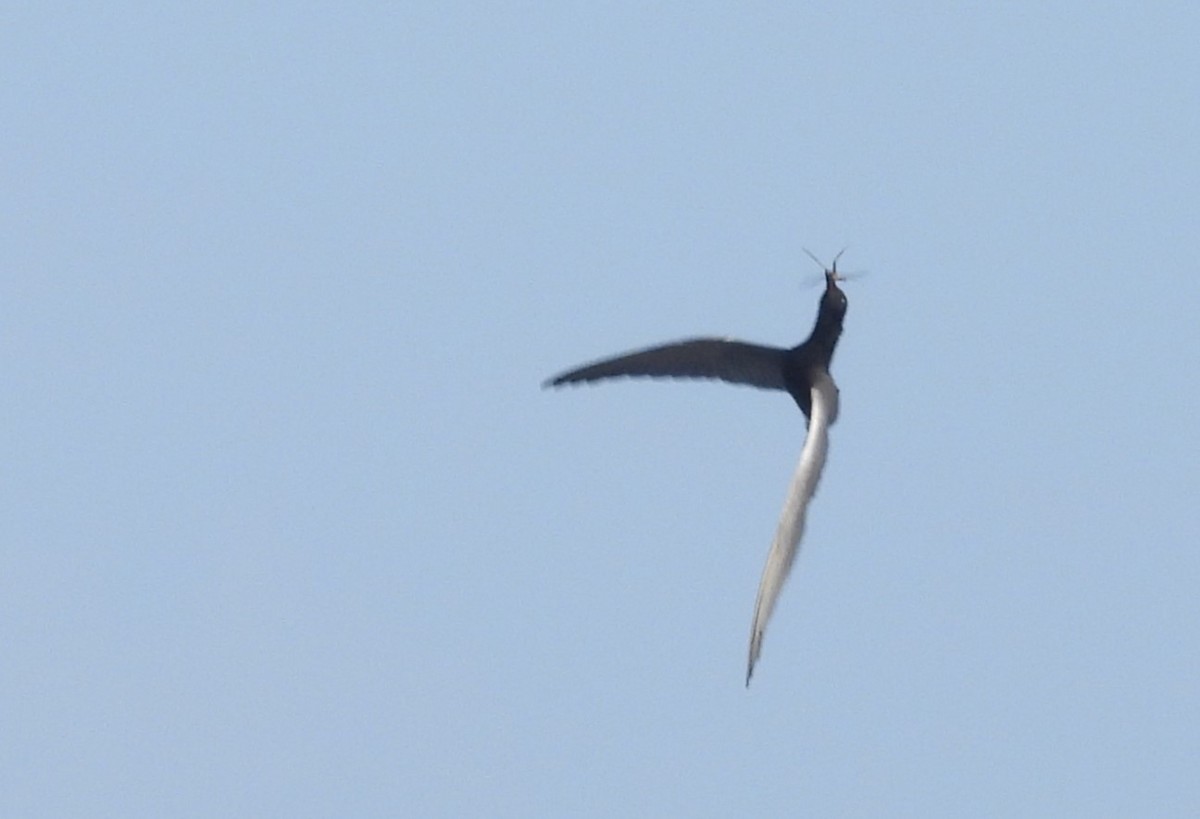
(289, 528)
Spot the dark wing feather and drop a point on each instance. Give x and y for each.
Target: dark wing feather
(734, 361)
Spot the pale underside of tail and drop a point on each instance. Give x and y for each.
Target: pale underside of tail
(791, 523)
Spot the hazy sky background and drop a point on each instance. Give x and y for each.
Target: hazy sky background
(289, 528)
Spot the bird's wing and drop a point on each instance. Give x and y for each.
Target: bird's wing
(791, 524)
(734, 361)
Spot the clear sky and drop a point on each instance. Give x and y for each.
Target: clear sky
(289, 528)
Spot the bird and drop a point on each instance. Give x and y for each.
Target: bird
(801, 371)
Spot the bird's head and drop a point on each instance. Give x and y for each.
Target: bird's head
(833, 301)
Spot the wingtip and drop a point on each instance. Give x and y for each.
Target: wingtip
(755, 643)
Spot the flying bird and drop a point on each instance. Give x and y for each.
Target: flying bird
(802, 372)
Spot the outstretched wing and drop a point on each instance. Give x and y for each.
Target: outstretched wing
(734, 361)
(791, 524)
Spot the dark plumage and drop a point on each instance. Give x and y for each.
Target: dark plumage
(802, 372)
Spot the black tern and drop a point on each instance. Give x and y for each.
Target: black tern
(802, 372)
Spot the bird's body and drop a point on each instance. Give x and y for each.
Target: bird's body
(802, 372)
